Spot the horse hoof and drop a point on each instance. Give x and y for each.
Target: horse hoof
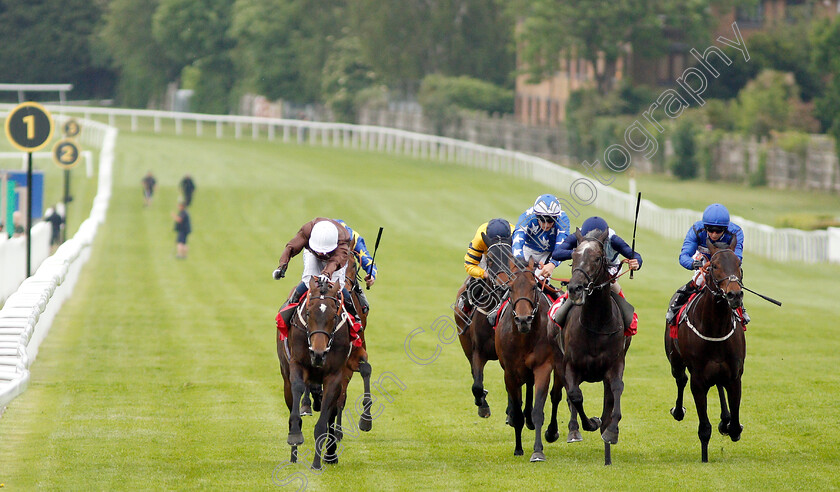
(305, 410)
(537, 456)
(574, 436)
(507, 421)
(365, 425)
(610, 437)
(295, 439)
(723, 427)
(736, 436)
(331, 461)
(549, 437)
(518, 452)
(592, 424)
(484, 411)
(315, 467)
(678, 416)
(529, 424)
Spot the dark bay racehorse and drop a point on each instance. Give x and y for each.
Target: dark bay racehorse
(357, 362)
(316, 353)
(525, 351)
(710, 343)
(476, 335)
(594, 345)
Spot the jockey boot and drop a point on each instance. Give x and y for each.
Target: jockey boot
(362, 298)
(492, 315)
(293, 299)
(625, 307)
(351, 310)
(561, 312)
(680, 297)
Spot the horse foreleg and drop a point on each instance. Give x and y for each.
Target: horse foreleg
(306, 403)
(331, 454)
(329, 402)
(678, 372)
(515, 416)
(551, 433)
(477, 364)
(366, 420)
(609, 432)
(704, 428)
(575, 395)
(542, 378)
(298, 387)
(529, 404)
(733, 390)
(723, 426)
(574, 427)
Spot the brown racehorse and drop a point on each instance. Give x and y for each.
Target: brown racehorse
(594, 345)
(710, 343)
(477, 337)
(316, 352)
(525, 350)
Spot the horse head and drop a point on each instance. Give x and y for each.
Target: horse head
(322, 316)
(498, 256)
(525, 294)
(589, 265)
(724, 274)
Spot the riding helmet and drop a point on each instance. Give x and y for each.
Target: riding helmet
(498, 228)
(716, 215)
(593, 223)
(324, 237)
(547, 205)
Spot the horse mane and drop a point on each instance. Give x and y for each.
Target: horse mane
(593, 234)
(521, 264)
(721, 245)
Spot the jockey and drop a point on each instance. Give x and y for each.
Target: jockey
(717, 227)
(326, 246)
(363, 258)
(539, 230)
(475, 262)
(614, 246)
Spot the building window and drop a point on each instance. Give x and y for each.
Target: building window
(750, 16)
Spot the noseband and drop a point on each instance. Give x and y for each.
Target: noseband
(535, 302)
(602, 269)
(711, 280)
(340, 320)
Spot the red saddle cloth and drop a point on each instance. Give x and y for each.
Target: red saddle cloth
(499, 313)
(283, 328)
(628, 332)
(674, 328)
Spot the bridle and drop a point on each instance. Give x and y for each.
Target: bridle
(535, 302)
(303, 315)
(711, 280)
(602, 269)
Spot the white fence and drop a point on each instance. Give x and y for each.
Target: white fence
(780, 244)
(27, 314)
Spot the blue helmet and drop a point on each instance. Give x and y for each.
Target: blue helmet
(547, 205)
(498, 228)
(593, 223)
(716, 215)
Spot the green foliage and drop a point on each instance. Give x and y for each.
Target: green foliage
(707, 143)
(826, 59)
(733, 77)
(759, 177)
(765, 103)
(346, 73)
(808, 222)
(441, 97)
(720, 114)
(684, 160)
(51, 41)
(213, 84)
(793, 142)
(189, 30)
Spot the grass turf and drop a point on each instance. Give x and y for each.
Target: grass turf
(162, 374)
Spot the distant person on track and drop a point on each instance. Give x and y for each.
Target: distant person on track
(149, 184)
(183, 227)
(325, 244)
(56, 221)
(187, 189)
(363, 258)
(716, 226)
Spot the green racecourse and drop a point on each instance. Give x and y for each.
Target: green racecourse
(162, 374)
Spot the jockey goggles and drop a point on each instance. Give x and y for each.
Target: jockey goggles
(546, 218)
(716, 229)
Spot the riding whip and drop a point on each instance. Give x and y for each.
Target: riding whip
(375, 247)
(770, 299)
(635, 222)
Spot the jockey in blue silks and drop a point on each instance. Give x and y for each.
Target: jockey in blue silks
(716, 226)
(613, 247)
(363, 258)
(538, 231)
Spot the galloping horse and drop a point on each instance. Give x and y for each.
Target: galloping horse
(357, 362)
(525, 351)
(594, 345)
(316, 352)
(711, 344)
(477, 337)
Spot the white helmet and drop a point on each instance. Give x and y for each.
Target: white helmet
(324, 237)
(547, 205)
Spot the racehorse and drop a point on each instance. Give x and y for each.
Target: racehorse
(710, 343)
(524, 347)
(593, 341)
(357, 362)
(316, 352)
(476, 335)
